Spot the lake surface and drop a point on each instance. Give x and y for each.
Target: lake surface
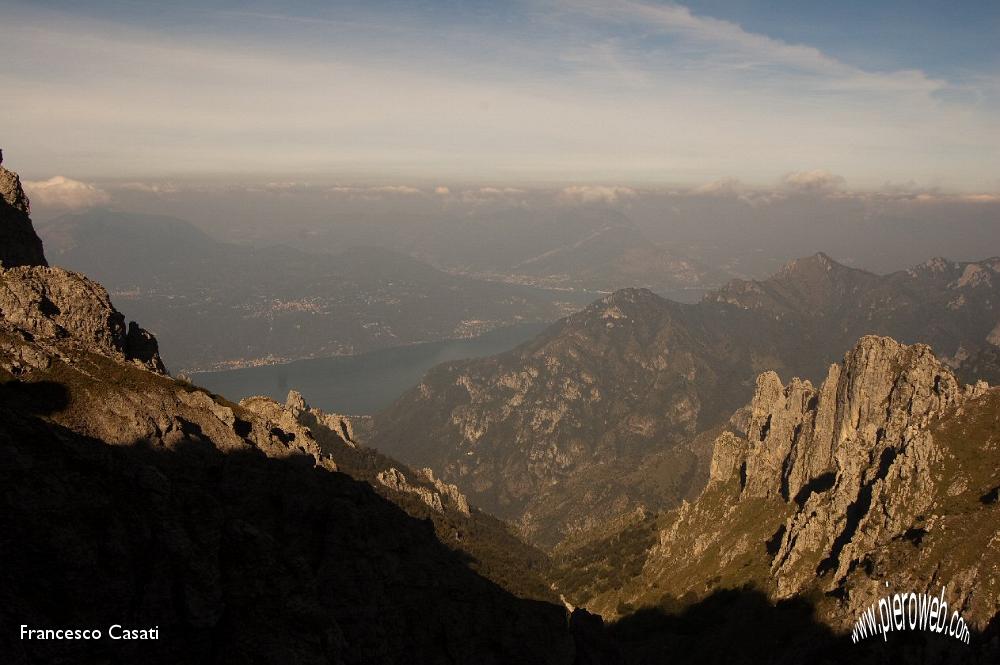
(361, 384)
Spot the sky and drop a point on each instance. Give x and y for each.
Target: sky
(866, 95)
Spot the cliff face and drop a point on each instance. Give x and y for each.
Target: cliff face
(19, 245)
(881, 474)
(856, 457)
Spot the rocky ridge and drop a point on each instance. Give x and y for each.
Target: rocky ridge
(338, 441)
(880, 474)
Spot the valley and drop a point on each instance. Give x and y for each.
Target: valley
(361, 384)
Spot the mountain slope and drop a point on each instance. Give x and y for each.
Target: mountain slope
(552, 434)
(231, 547)
(232, 530)
(885, 474)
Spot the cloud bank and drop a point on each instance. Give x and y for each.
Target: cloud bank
(62, 192)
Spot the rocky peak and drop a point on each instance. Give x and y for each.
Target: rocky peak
(805, 286)
(631, 296)
(817, 262)
(854, 458)
(19, 244)
(52, 307)
(866, 404)
(813, 269)
(624, 304)
(298, 417)
(10, 189)
(883, 475)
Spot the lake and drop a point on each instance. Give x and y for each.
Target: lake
(362, 384)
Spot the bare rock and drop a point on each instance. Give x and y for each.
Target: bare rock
(285, 430)
(19, 244)
(855, 456)
(394, 479)
(451, 493)
(728, 456)
(885, 473)
(65, 308)
(348, 428)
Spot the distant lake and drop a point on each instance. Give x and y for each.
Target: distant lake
(361, 384)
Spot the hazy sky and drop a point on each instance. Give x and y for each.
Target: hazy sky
(616, 92)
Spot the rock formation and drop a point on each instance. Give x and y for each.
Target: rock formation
(856, 456)
(880, 475)
(19, 245)
(53, 309)
(52, 306)
(348, 427)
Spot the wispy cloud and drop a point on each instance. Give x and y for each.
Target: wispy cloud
(584, 92)
(728, 44)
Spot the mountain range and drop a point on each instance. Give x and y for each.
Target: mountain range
(693, 506)
(601, 414)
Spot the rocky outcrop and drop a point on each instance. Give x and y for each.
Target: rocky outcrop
(58, 310)
(452, 495)
(299, 418)
(230, 540)
(52, 306)
(349, 428)
(19, 244)
(856, 455)
(394, 479)
(880, 475)
(437, 498)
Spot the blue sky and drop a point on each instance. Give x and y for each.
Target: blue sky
(535, 91)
